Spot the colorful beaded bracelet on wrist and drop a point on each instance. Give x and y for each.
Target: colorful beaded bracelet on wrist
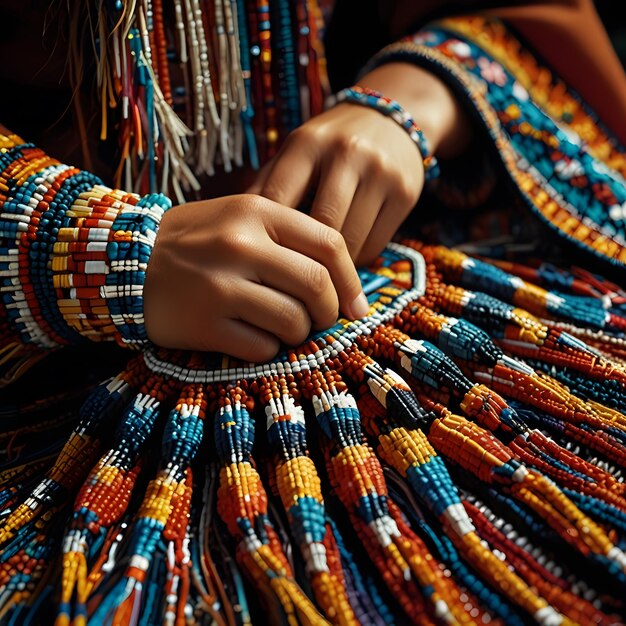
(376, 100)
(73, 253)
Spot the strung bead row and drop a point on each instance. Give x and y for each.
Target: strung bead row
(73, 253)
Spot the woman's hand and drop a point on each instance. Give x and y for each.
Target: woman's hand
(241, 273)
(366, 171)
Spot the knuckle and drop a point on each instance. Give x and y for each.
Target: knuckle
(234, 243)
(331, 241)
(385, 164)
(348, 144)
(356, 146)
(408, 191)
(253, 203)
(303, 133)
(216, 288)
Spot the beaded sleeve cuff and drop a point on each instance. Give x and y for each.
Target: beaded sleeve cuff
(73, 253)
(376, 100)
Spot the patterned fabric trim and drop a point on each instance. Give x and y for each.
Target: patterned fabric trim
(573, 182)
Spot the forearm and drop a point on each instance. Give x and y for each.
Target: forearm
(430, 102)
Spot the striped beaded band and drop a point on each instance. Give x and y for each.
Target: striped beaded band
(73, 253)
(376, 100)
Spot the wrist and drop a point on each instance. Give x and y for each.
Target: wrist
(377, 101)
(428, 100)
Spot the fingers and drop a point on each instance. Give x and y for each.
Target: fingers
(243, 341)
(363, 213)
(305, 235)
(303, 278)
(273, 311)
(335, 193)
(289, 177)
(383, 201)
(381, 233)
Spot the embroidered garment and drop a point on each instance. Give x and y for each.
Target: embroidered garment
(454, 457)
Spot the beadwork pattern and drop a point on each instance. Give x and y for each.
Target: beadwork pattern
(454, 457)
(74, 252)
(193, 85)
(392, 457)
(568, 169)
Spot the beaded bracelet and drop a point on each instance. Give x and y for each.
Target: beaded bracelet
(375, 100)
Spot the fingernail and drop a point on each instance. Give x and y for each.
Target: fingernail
(359, 307)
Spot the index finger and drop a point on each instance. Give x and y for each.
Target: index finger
(289, 178)
(325, 245)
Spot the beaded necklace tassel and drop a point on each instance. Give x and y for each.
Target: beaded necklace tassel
(237, 99)
(33, 521)
(77, 454)
(526, 336)
(216, 587)
(299, 488)
(105, 495)
(407, 450)
(285, 55)
(474, 274)
(485, 407)
(149, 128)
(247, 110)
(380, 343)
(317, 76)
(263, 23)
(557, 591)
(162, 517)
(475, 351)
(243, 505)
(356, 474)
(509, 321)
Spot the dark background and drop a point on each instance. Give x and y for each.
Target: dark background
(612, 14)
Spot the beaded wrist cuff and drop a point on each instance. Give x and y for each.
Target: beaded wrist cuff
(73, 253)
(375, 100)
